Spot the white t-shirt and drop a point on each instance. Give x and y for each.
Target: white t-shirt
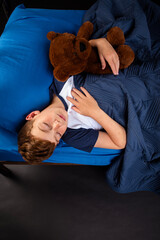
(76, 120)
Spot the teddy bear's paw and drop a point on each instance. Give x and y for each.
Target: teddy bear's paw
(126, 56)
(115, 36)
(60, 74)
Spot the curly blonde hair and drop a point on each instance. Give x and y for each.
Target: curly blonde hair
(33, 150)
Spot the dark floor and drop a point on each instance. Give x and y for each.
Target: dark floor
(71, 202)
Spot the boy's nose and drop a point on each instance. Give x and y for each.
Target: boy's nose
(56, 125)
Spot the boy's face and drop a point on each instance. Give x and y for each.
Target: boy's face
(50, 124)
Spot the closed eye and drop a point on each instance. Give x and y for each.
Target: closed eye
(44, 127)
(47, 125)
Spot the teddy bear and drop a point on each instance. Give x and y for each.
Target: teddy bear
(71, 55)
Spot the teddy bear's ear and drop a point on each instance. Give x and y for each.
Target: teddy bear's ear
(85, 30)
(51, 35)
(83, 48)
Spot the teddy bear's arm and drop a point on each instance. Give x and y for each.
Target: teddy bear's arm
(115, 36)
(85, 30)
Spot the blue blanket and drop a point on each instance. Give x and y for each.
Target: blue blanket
(132, 98)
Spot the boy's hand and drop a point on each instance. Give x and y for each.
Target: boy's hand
(84, 104)
(106, 53)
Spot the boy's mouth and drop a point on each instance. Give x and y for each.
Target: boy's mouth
(61, 116)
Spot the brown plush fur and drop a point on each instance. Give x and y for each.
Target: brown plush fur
(71, 55)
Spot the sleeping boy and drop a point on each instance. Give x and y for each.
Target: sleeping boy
(73, 115)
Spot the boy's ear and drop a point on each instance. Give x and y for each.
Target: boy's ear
(31, 115)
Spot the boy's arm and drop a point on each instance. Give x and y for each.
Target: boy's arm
(114, 136)
(106, 53)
